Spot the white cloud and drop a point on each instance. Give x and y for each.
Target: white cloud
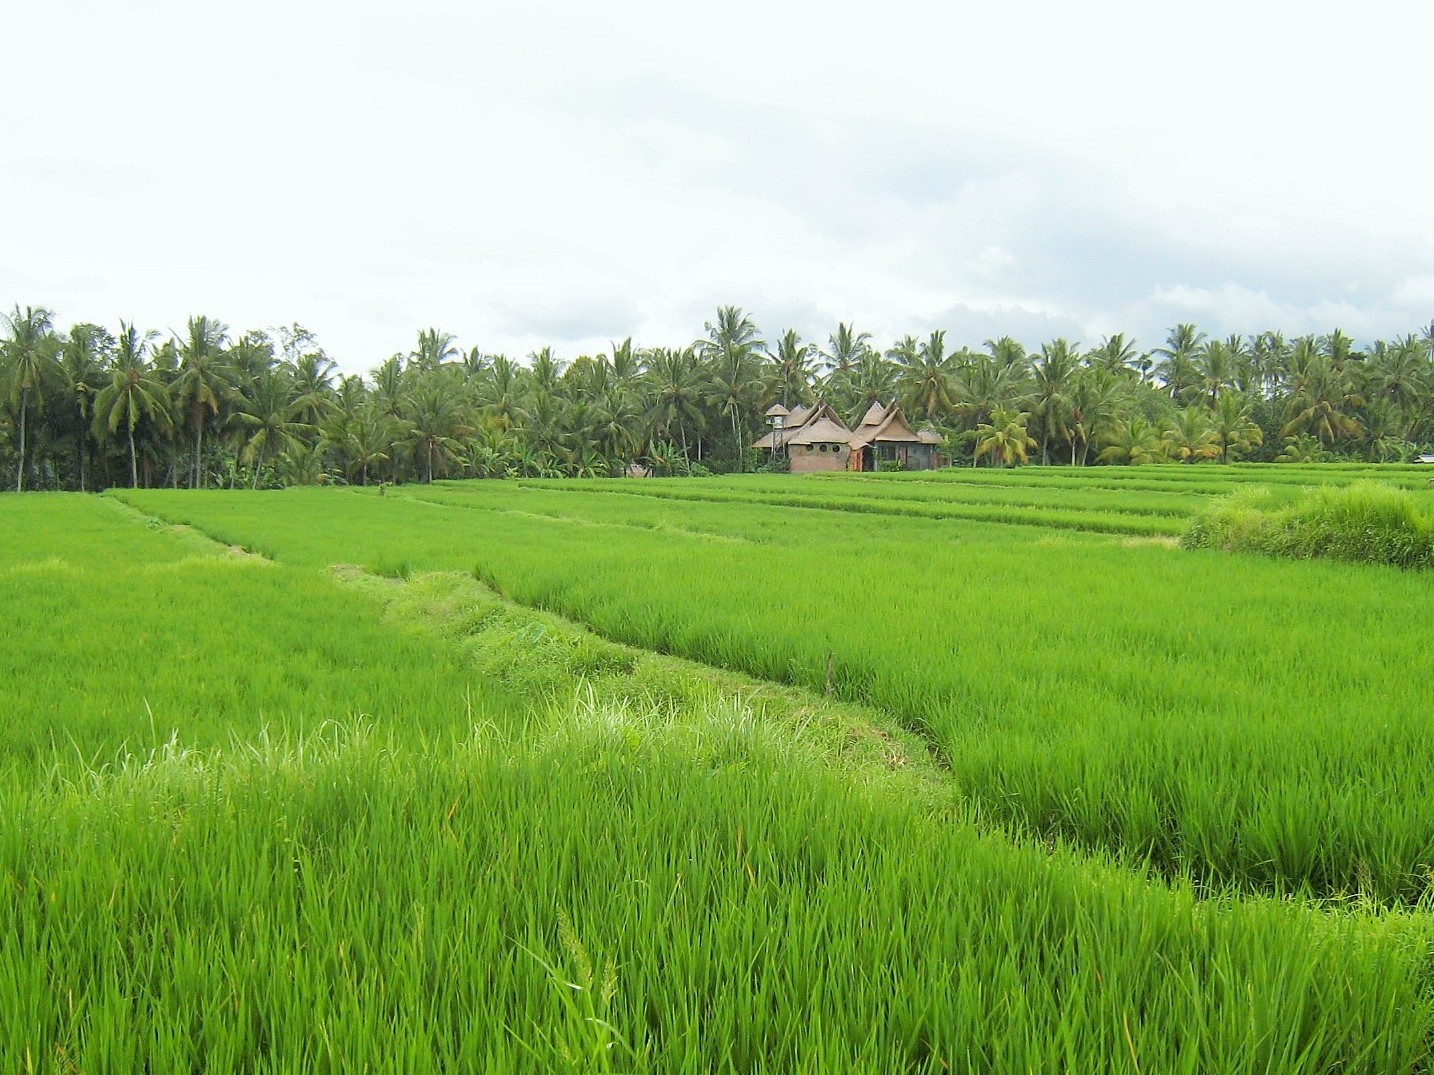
(559, 172)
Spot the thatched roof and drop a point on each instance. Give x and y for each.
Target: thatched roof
(799, 414)
(800, 421)
(875, 415)
(893, 429)
(822, 431)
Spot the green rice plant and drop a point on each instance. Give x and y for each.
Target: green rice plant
(119, 634)
(359, 900)
(1363, 522)
(1195, 715)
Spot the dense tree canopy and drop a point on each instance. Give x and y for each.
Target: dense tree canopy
(86, 407)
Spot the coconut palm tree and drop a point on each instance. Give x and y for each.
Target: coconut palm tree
(1119, 356)
(205, 381)
(1133, 442)
(435, 422)
(1323, 398)
(1056, 371)
(135, 392)
(29, 367)
(434, 349)
(269, 414)
(1214, 369)
(924, 376)
(366, 440)
(84, 353)
(793, 368)
(731, 351)
(1176, 367)
(845, 348)
(1008, 356)
(499, 393)
(1269, 355)
(1399, 375)
(676, 385)
(985, 382)
(1004, 438)
(311, 382)
(1191, 436)
(1236, 432)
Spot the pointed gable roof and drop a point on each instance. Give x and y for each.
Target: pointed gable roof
(893, 427)
(800, 423)
(875, 415)
(822, 431)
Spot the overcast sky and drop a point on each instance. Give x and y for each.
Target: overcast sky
(572, 173)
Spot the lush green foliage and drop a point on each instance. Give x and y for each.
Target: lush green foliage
(121, 631)
(607, 900)
(87, 408)
(1368, 522)
(273, 815)
(1110, 691)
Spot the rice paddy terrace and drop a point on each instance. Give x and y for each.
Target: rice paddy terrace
(968, 770)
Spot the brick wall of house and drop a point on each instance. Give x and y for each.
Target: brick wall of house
(809, 458)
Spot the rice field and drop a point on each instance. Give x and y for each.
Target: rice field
(707, 777)
(1230, 720)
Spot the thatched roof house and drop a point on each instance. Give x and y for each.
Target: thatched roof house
(816, 439)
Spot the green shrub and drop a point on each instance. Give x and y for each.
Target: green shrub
(1365, 522)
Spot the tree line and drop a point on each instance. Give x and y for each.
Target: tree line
(90, 407)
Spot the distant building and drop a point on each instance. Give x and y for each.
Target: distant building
(816, 439)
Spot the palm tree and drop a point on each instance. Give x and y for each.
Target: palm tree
(793, 368)
(1322, 398)
(731, 350)
(269, 413)
(365, 440)
(1269, 355)
(1055, 378)
(676, 383)
(83, 356)
(1192, 436)
(30, 366)
(311, 381)
(135, 392)
(846, 348)
(1304, 448)
(924, 378)
(544, 371)
(304, 464)
(1009, 356)
(1118, 355)
(986, 382)
(1214, 367)
(1096, 399)
(1176, 368)
(499, 393)
(435, 421)
(1399, 374)
(1133, 442)
(853, 390)
(434, 349)
(205, 379)
(1004, 438)
(1235, 431)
